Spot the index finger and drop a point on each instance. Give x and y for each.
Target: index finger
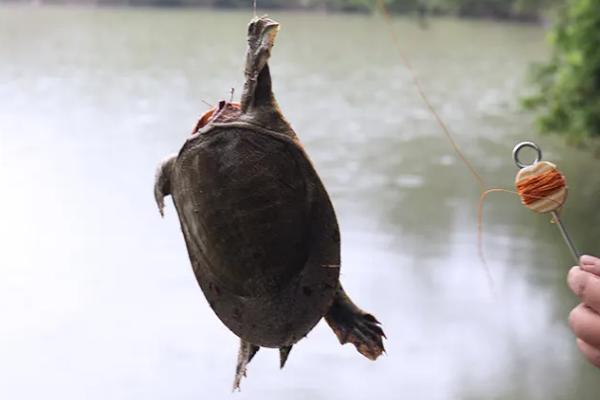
(586, 286)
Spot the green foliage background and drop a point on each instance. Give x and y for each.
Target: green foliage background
(569, 85)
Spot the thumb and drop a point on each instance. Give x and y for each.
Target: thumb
(590, 264)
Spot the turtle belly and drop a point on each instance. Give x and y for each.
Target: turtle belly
(245, 205)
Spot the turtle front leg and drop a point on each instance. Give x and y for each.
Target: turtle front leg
(162, 182)
(247, 352)
(353, 325)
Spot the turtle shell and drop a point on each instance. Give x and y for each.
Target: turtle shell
(260, 230)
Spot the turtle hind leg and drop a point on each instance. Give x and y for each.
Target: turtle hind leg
(245, 355)
(353, 325)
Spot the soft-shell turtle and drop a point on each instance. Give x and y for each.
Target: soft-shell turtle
(260, 229)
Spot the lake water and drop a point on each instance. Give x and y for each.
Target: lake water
(97, 297)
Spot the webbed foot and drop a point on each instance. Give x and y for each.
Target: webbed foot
(353, 325)
(247, 352)
(162, 182)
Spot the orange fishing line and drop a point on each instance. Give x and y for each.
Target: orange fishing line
(423, 95)
(530, 189)
(417, 82)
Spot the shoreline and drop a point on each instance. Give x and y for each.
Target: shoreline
(540, 20)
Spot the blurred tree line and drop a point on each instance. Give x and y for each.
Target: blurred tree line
(502, 9)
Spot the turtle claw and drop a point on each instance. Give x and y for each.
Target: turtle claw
(352, 325)
(247, 352)
(162, 183)
(367, 336)
(159, 195)
(364, 332)
(160, 202)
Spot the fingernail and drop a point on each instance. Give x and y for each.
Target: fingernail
(589, 260)
(590, 264)
(575, 280)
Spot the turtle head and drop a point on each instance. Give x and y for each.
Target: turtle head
(262, 32)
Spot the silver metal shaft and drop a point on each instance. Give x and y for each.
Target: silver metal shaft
(566, 236)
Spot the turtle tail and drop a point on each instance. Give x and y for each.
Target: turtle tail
(284, 352)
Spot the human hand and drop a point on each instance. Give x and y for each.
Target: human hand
(584, 281)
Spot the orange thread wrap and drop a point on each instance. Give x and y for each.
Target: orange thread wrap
(536, 187)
